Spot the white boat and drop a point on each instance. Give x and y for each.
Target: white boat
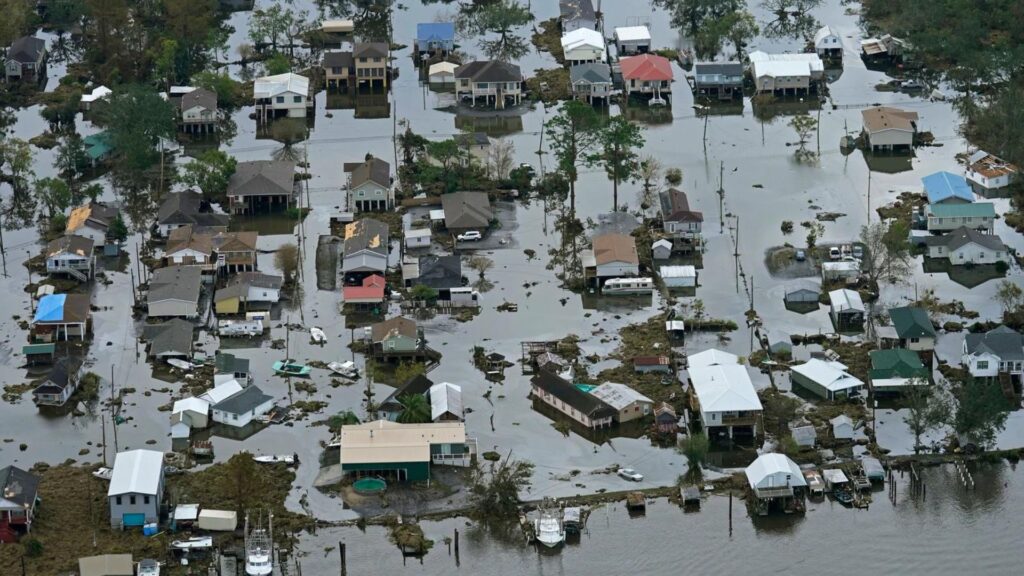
(200, 542)
(628, 286)
(148, 567)
(347, 369)
(549, 529)
(180, 364)
(317, 335)
(259, 553)
(275, 459)
(104, 473)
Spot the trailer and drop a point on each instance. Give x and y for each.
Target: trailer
(240, 328)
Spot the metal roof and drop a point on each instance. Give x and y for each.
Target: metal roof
(711, 357)
(911, 322)
(972, 210)
(942, 186)
(724, 388)
(843, 300)
(619, 396)
(270, 86)
(774, 471)
(632, 34)
(384, 442)
(445, 397)
(830, 375)
(137, 472)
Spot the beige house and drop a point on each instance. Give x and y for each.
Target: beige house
(338, 68)
(496, 82)
(888, 128)
(630, 404)
(371, 63)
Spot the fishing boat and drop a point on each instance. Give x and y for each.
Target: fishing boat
(180, 364)
(259, 554)
(104, 473)
(289, 367)
(148, 567)
(317, 335)
(275, 459)
(549, 529)
(617, 286)
(347, 369)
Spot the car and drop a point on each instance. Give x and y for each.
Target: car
(846, 251)
(800, 256)
(834, 253)
(858, 251)
(630, 474)
(911, 85)
(470, 236)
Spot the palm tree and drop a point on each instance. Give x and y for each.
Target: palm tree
(415, 409)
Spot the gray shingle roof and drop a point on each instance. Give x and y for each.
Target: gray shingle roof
(171, 337)
(368, 234)
(1004, 342)
(574, 9)
(372, 170)
(18, 486)
(262, 178)
(467, 210)
(587, 404)
(243, 402)
(370, 50)
(337, 59)
(963, 236)
(489, 71)
(230, 364)
(440, 272)
(26, 50)
(175, 283)
(70, 244)
(199, 97)
(592, 73)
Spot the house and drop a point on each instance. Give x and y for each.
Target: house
(591, 81)
(665, 419)
(188, 246)
(230, 367)
(682, 224)
(61, 317)
(92, 220)
(465, 211)
(646, 74)
(188, 209)
(576, 14)
(888, 129)
(221, 392)
(965, 246)
(19, 494)
(372, 63)
(225, 252)
(829, 380)
(802, 298)
(828, 44)
(711, 357)
(440, 272)
(71, 255)
(990, 174)
(241, 408)
(494, 80)
(338, 67)
(59, 385)
(894, 369)
(261, 186)
(285, 94)
(171, 339)
(403, 452)
(627, 402)
(847, 310)
(396, 335)
(174, 292)
(196, 411)
(947, 188)
(554, 364)
(369, 185)
(98, 147)
(476, 144)
(725, 398)
(39, 353)
(913, 329)
(583, 46)
(842, 427)
(630, 40)
(435, 38)
(366, 248)
(392, 407)
(26, 59)
(888, 47)
(98, 93)
(661, 249)
(998, 351)
(586, 409)
(418, 238)
(721, 79)
(446, 403)
(247, 291)
(370, 292)
(106, 565)
(678, 276)
(774, 476)
(648, 364)
(613, 256)
(804, 435)
(776, 76)
(199, 112)
(339, 27)
(846, 270)
(136, 488)
(442, 73)
(979, 216)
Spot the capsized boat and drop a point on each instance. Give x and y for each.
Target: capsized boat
(549, 529)
(347, 369)
(289, 367)
(104, 473)
(317, 335)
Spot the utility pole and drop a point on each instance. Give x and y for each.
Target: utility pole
(3, 251)
(721, 197)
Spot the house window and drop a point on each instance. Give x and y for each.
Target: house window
(145, 499)
(280, 99)
(131, 500)
(117, 499)
(915, 340)
(297, 99)
(482, 86)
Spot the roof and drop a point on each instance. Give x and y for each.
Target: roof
(221, 392)
(189, 238)
(649, 67)
(880, 118)
(830, 375)
(62, 309)
(418, 384)
(94, 215)
(1002, 342)
(632, 33)
(472, 139)
(372, 288)
(972, 210)
(98, 93)
(58, 378)
(370, 50)
(990, 165)
(489, 71)
(843, 300)
(137, 472)
(467, 210)
(442, 68)
(587, 404)
(840, 420)
(173, 336)
(591, 73)
(440, 272)
(370, 170)
(97, 146)
(675, 207)
(610, 248)
(72, 244)
(651, 361)
(367, 234)
(337, 59)
(896, 363)
(718, 72)
(802, 295)
(175, 283)
(226, 363)
(18, 487)
(770, 469)
(724, 388)
(711, 357)
(270, 86)
(106, 565)
(619, 396)
(781, 68)
(942, 186)
(199, 97)
(262, 178)
(434, 31)
(26, 50)
(191, 404)
(391, 442)
(187, 208)
(581, 37)
(397, 326)
(677, 271)
(576, 9)
(445, 398)
(250, 398)
(257, 279)
(813, 61)
(823, 33)
(911, 322)
(963, 236)
(804, 435)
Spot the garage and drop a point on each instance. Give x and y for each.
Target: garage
(133, 519)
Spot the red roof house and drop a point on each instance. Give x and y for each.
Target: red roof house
(371, 291)
(647, 74)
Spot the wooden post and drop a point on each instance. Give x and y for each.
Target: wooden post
(730, 512)
(341, 551)
(457, 547)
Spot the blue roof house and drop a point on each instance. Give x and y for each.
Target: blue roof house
(947, 188)
(435, 37)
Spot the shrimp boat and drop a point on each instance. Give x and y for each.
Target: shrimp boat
(259, 553)
(549, 529)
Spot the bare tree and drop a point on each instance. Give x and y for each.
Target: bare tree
(499, 159)
(650, 176)
(886, 252)
(925, 411)
(481, 264)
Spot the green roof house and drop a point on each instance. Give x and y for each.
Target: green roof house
(978, 216)
(98, 147)
(893, 370)
(913, 329)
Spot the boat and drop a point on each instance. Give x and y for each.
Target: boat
(275, 459)
(148, 567)
(104, 473)
(180, 364)
(628, 286)
(317, 335)
(259, 555)
(842, 495)
(347, 369)
(572, 520)
(199, 542)
(549, 529)
(289, 367)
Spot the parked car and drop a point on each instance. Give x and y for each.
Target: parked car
(470, 236)
(800, 256)
(630, 474)
(858, 251)
(846, 251)
(834, 253)
(911, 85)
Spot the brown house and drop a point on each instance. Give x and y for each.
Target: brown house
(371, 63)
(339, 67)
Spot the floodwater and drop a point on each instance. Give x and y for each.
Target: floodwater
(764, 185)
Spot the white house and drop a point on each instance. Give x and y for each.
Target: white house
(614, 256)
(71, 255)
(661, 249)
(830, 380)
(197, 410)
(842, 427)
(679, 276)
(887, 128)
(631, 40)
(221, 392)
(583, 46)
(281, 95)
(785, 73)
(1000, 350)
(442, 73)
(136, 488)
(773, 476)
(827, 43)
(725, 398)
(978, 216)
(968, 246)
(711, 357)
(199, 109)
(241, 408)
(990, 173)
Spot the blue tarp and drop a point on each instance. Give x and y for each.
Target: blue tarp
(942, 186)
(435, 32)
(51, 308)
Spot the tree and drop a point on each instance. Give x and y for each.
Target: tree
(407, 371)
(190, 24)
(674, 176)
(60, 107)
(415, 409)
(500, 156)
(137, 118)
(693, 15)
(55, 195)
(925, 411)
(16, 158)
(165, 62)
(118, 230)
(423, 292)
(886, 252)
(697, 308)
(784, 8)
(14, 24)
(64, 15)
(979, 411)
(71, 161)
(619, 141)
(229, 91)
(574, 135)
(740, 27)
(650, 175)
(481, 264)
(803, 125)
(502, 18)
(447, 153)
(815, 230)
(695, 448)
(270, 26)
(1010, 296)
(494, 491)
(286, 259)
(412, 145)
(210, 172)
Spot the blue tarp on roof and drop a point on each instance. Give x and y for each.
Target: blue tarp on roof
(942, 186)
(51, 308)
(435, 31)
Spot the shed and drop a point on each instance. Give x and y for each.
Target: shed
(847, 310)
(834, 477)
(842, 270)
(661, 249)
(802, 298)
(644, 364)
(442, 73)
(106, 565)
(217, 520)
(136, 488)
(632, 40)
(446, 402)
(774, 476)
(842, 427)
(826, 379)
(805, 436)
(417, 238)
(679, 276)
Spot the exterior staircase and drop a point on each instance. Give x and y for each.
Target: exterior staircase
(77, 274)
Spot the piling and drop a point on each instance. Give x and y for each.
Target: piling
(457, 547)
(344, 565)
(730, 512)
